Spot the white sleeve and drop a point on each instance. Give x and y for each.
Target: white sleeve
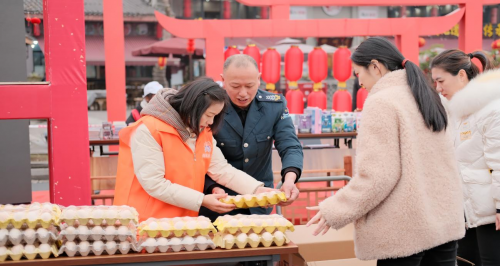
(225, 174)
(149, 167)
(491, 139)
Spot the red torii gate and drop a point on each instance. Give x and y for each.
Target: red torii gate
(62, 101)
(406, 30)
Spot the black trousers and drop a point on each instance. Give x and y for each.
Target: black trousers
(444, 255)
(481, 246)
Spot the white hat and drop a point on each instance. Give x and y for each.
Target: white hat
(152, 88)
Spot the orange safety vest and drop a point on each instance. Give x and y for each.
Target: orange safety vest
(181, 167)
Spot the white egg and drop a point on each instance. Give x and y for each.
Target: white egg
(98, 214)
(110, 230)
(83, 230)
(44, 248)
(150, 242)
(17, 249)
(69, 214)
(3, 251)
(97, 230)
(267, 236)
(35, 206)
(110, 245)
(254, 237)
(248, 197)
(71, 246)
(84, 246)
(124, 245)
(162, 241)
(29, 233)
(233, 223)
(246, 222)
(261, 196)
(242, 237)
(204, 224)
(269, 222)
(111, 214)
(4, 216)
(257, 222)
(176, 220)
(83, 213)
(201, 240)
(179, 225)
(33, 216)
(229, 238)
(3, 233)
(187, 219)
(126, 214)
(30, 249)
(191, 225)
(239, 216)
(175, 241)
(42, 232)
(98, 245)
(279, 235)
(19, 216)
(188, 240)
(46, 217)
(8, 207)
(71, 230)
(48, 206)
(238, 198)
(14, 233)
(123, 230)
(283, 222)
(165, 226)
(153, 225)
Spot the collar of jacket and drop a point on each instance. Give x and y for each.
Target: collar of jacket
(391, 79)
(480, 91)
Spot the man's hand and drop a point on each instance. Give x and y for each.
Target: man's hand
(264, 190)
(290, 189)
(212, 202)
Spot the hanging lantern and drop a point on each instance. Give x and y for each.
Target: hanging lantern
(342, 71)
(294, 60)
(318, 70)
(36, 21)
(421, 42)
(271, 68)
(36, 30)
(190, 46)
(254, 52)
(495, 44)
(361, 97)
(162, 62)
(231, 50)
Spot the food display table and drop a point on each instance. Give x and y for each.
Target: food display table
(270, 255)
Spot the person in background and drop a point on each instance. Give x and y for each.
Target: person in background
(150, 91)
(405, 199)
(474, 105)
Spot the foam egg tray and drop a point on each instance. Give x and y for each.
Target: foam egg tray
(29, 216)
(253, 224)
(84, 248)
(256, 200)
(178, 227)
(176, 244)
(96, 233)
(30, 252)
(99, 215)
(28, 236)
(253, 240)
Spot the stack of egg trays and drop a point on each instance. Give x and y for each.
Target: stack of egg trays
(28, 231)
(176, 234)
(98, 230)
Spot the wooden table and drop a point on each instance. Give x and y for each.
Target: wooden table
(103, 142)
(270, 255)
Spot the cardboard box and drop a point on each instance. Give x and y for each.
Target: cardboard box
(334, 245)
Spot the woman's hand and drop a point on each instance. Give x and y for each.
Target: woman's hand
(322, 226)
(212, 203)
(264, 190)
(498, 222)
(218, 190)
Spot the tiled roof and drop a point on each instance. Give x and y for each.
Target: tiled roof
(131, 8)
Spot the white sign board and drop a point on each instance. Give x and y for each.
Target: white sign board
(298, 12)
(367, 12)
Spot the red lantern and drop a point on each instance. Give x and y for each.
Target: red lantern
(190, 46)
(36, 30)
(231, 50)
(342, 71)
(36, 21)
(28, 19)
(342, 101)
(495, 44)
(318, 67)
(361, 97)
(295, 101)
(421, 42)
(317, 99)
(294, 60)
(271, 68)
(254, 52)
(162, 62)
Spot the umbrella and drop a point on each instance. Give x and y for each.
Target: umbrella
(289, 41)
(175, 46)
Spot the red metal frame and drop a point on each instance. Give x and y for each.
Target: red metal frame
(63, 102)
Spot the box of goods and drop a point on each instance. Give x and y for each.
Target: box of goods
(349, 122)
(337, 122)
(255, 200)
(316, 122)
(326, 119)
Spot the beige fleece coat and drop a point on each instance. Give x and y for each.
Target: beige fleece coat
(406, 195)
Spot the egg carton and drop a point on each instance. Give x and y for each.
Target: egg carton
(108, 233)
(29, 236)
(99, 215)
(242, 240)
(176, 244)
(84, 248)
(29, 252)
(253, 223)
(256, 200)
(30, 216)
(178, 227)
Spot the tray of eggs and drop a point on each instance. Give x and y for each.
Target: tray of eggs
(255, 200)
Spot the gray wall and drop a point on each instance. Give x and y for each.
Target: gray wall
(15, 175)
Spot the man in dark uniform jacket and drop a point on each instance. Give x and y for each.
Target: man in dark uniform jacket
(254, 120)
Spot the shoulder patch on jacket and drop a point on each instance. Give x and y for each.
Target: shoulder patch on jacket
(269, 97)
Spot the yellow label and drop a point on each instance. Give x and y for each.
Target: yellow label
(465, 135)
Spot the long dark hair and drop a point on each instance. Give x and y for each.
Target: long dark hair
(427, 98)
(452, 61)
(193, 100)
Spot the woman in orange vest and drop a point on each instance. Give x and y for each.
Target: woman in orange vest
(164, 156)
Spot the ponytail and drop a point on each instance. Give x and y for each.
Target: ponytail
(427, 99)
(452, 61)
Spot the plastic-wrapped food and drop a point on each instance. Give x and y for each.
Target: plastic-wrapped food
(250, 201)
(179, 226)
(84, 248)
(109, 233)
(243, 240)
(30, 252)
(253, 223)
(31, 216)
(99, 215)
(176, 244)
(29, 236)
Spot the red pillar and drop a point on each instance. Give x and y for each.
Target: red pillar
(114, 51)
(470, 28)
(264, 12)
